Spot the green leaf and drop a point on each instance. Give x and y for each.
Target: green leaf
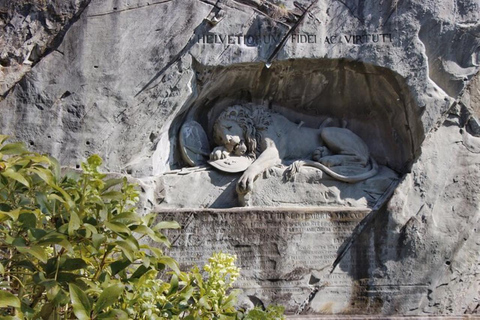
(2, 269)
(173, 285)
(90, 228)
(170, 262)
(82, 307)
(12, 214)
(28, 220)
(112, 195)
(42, 201)
(73, 264)
(119, 265)
(47, 310)
(97, 240)
(56, 197)
(67, 277)
(56, 168)
(156, 252)
(13, 148)
(8, 300)
(36, 234)
(204, 303)
(126, 217)
(155, 236)
(56, 238)
(186, 294)
(115, 314)
(10, 318)
(17, 242)
(141, 270)
(56, 294)
(74, 223)
(9, 173)
(112, 182)
(167, 225)
(44, 174)
(230, 301)
(39, 159)
(117, 227)
(108, 297)
(38, 277)
(25, 264)
(127, 249)
(36, 251)
(67, 199)
(3, 137)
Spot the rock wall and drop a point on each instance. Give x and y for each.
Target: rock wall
(117, 78)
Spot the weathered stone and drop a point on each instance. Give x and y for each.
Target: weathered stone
(31, 29)
(284, 255)
(120, 78)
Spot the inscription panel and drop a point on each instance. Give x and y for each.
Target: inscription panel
(284, 256)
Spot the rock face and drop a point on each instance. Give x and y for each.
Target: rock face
(31, 30)
(120, 79)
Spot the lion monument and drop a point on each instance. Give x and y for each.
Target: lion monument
(271, 139)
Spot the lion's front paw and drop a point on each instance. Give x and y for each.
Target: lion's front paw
(219, 153)
(320, 152)
(245, 183)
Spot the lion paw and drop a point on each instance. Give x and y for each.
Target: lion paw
(245, 183)
(320, 152)
(219, 153)
(269, 173)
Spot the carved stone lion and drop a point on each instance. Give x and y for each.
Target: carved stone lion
(270, 138)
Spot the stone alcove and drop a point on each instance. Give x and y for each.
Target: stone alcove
(289, 249)
(375, 102)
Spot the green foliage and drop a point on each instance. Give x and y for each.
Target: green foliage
(270, 313)
(70, 247)
(69, 244)
(188, 295)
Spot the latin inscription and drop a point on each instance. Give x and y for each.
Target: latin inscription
(277, 252)
(300, 38)
(266, 241)
(280, 252)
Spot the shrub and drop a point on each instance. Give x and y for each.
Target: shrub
(71, 246)
(70, 243)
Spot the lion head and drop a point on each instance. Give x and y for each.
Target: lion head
(239, 129)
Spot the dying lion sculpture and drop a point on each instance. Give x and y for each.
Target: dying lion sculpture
(270, 138)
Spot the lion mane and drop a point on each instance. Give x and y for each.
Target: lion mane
(253, 120)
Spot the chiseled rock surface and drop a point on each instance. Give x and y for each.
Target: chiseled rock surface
(30, 30)
(117, 77)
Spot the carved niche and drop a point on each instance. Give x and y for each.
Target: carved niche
(292, 135)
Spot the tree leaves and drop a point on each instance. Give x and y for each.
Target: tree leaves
(167, 225)
(10, 173)
(36, 251)
(8, 300)
(118, 228)
(13, 148)
(72, 248)
(108, 297)
(115, 314)
(170, 262)
(82, 306)
(74, 223)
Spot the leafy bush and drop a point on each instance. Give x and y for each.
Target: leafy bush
(70, 243)
(70, 246)
(188, 294)
(270, 313)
